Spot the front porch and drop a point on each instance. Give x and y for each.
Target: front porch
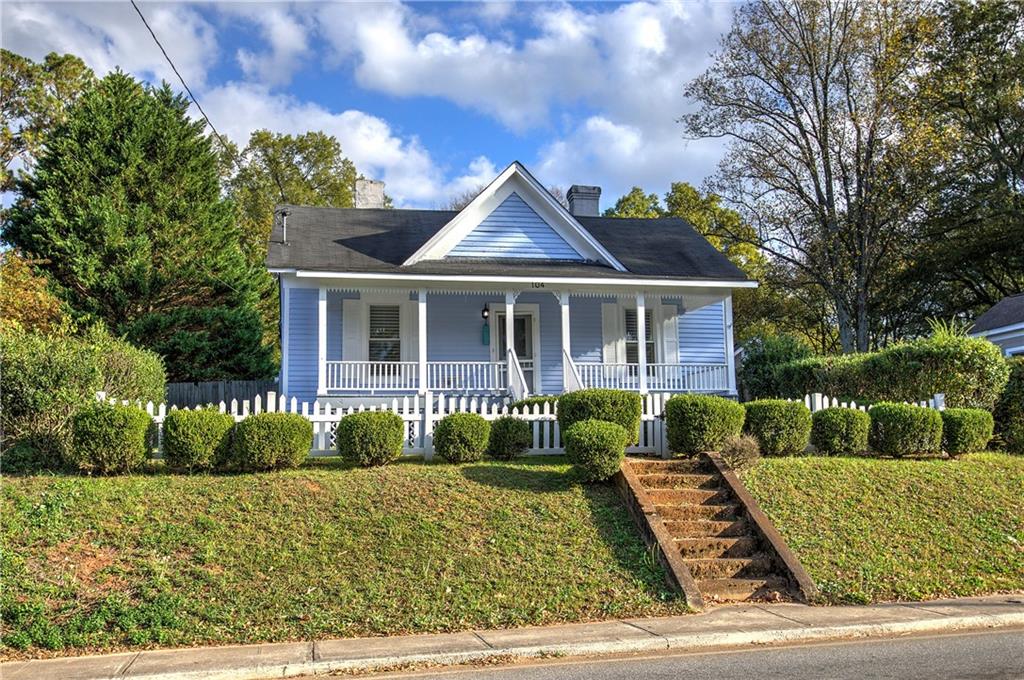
(512, 343)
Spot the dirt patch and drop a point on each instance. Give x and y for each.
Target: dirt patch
(84, 560)
(312, 486)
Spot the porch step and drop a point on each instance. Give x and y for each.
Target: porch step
(676, 466)
(680, 481)
(702, 528)
(712, 496)
(772, 589)
(713, 511)
(710, 548)
(758, 566)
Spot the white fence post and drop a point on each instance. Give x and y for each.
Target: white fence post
(428, 425)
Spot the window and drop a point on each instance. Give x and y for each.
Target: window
(632, 347)
(385, 333)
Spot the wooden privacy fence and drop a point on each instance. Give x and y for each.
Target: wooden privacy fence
(189, 394)
(421, 414)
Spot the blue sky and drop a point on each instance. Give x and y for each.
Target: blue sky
(433, 98)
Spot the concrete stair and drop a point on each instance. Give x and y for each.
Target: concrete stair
(709, 526)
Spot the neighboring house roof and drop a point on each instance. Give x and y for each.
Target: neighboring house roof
(366, 240)
(1007, 312)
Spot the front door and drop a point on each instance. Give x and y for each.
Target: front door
(524, 344)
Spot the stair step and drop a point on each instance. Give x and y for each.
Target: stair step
(758, 566)
(701, 528)
(742, 546)
(713, 496)
(681, 481)
(683, 511)
(676, 466)
(740, 589)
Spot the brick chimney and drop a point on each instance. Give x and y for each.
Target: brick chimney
(584, 201)
(369, 193)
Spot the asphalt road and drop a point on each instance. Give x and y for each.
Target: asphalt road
(987, 655)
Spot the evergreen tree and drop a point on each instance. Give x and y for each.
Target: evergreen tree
(124, 207)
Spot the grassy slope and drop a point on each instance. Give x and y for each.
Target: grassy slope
(96, 564)
(874, 530)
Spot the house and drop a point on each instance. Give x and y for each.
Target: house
(1003, 324)
(514, 295)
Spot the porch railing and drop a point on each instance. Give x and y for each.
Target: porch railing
(403, 376)
(516, 378)
(660, 377)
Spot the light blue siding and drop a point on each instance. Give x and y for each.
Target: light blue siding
(550, 340)
(585, 340)
(514, 230)
(302, 340)
(455, 327)
(702, 335)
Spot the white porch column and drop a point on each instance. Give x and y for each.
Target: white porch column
(422, 302)
(730, 352)
(321, 344)
(641, 345)
(510, 323)
(563, 301)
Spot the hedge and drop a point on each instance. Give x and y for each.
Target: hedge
(370, 438)
(614, 406)
(109, 438)
(510, 437)
(197, 440)
(840, 431)
(596, 448)
(46, 379)
(966, 430)
(904, 430)
(271, 441)
(698, 422)
(971, 372)
(461, 437)
(783, 428)
(1009, 411)
(762, 356)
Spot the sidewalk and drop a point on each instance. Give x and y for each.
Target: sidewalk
(730, 626)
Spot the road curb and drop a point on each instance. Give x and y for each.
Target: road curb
(258, 662)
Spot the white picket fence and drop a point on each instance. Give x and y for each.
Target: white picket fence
(818, 402)
(421, 414)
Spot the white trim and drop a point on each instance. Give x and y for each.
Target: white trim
(563, 303)
(533, 310)
(730, 351)
(321, 320)
(514, 177)
(421, 328)
(998, 329)
(641, 340)
(1013, 351)
(282, 377)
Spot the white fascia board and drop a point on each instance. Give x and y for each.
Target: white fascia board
(516, 179)
(998, 330)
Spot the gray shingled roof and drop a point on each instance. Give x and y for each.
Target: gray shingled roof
(379, 241)
(1006, 312)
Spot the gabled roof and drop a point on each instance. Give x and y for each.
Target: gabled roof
(1007, 312)
(363, 240)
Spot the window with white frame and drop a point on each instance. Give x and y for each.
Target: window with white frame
(385, 333)
(632, 340)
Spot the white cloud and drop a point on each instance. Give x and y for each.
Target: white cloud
(286, 35)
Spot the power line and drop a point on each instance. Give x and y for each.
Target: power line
(180, 78)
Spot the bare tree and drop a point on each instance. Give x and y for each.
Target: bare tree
(462, 199)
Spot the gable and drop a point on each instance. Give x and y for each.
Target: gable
(514, 230)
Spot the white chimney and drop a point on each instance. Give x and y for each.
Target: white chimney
(584, 201)
(369, 193)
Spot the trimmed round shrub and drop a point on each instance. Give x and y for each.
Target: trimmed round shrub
(698, 422)
(596, 448)
(782, 427)
(613, 406)
(510, 437)
(840, 431)
(370, 438)
(461, 437)
(109, 439)
(740, 452)
(538, 400)
(23, 458)
(904, 430)
(762, 356)
(197, 439)
(966, 430)
(1009, 411)
(271, 441)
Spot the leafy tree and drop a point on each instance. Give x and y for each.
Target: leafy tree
(810, 95)
(25, 298)
(124, 206)
(636, 203)
(33, 99)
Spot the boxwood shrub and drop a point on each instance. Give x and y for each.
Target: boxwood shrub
(762, 356)
(197, 440)
(109, 439)
(840, 431)
(698, 422)
(783, 428)
(510, 437)
(461, 437)
(613, 406)
(904, 430)
(370, 438)
(596, 448)
(965, 430)
(538, 400)
(1009, 411)
(271, 441)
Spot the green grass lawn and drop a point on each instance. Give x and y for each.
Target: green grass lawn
(92, 564)
(872, 530)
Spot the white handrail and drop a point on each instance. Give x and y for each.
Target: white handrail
(516, 377)
(571, 378)
(660, 377)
